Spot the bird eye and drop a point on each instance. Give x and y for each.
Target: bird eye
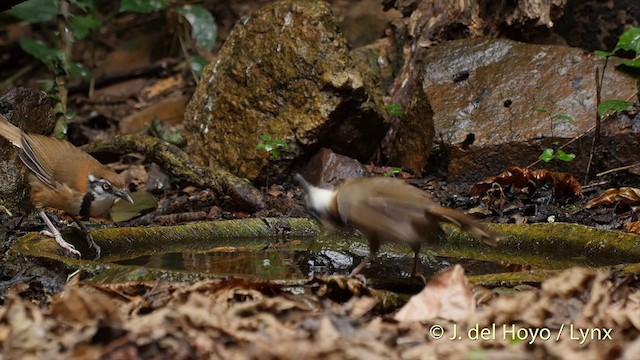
(106, 186)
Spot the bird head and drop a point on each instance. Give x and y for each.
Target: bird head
(108, 188)
(320, 202)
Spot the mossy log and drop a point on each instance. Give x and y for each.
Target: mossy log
(179, 164)
(545, 248)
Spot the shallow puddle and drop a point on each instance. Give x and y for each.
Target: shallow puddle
(273, 260)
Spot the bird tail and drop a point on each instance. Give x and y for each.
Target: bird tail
(466, 223)
(10, 131)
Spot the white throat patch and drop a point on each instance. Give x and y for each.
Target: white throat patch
(320, 199)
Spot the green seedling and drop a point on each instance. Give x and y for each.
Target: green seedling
(271, 145)
(395, 109)
(393, 172)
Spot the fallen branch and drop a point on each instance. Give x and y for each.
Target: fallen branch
(179, 164)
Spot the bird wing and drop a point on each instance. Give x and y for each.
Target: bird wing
(387, 208)
(41, 155)
(31, 158)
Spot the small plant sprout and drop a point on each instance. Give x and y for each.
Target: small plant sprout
(393, 172)
(560, 117)
(395, 109)
(549, 154)
(271, 145)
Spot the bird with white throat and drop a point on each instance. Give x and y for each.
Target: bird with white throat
(387, 209)
(64, 177)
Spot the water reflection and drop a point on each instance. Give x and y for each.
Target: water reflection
(300, 260)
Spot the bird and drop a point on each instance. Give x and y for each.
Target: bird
(387, 209)
(63, 177)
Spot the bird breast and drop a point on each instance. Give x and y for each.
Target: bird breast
(98, 205)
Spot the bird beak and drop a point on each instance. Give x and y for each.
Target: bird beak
(305, 185)
(123, 195)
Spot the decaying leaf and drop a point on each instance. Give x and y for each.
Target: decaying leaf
(526, 181)
(243, 319)
(142, 201)
(633, 227)
(447, 296)
(622, 196)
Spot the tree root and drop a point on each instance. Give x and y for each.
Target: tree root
(179, 164)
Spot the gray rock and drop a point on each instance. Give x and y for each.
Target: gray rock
(495, 89)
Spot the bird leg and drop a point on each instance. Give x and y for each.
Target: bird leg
(416, 273)
(87, 234)
(374, 245)
(54, 233)
(416, 264)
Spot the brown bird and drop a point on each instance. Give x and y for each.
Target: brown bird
(387, 209)
(65, 178)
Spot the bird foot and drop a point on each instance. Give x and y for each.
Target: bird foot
(61, 242)
(92, 244)
(420, 277)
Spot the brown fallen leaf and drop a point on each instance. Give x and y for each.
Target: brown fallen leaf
(525, 180)
(76, 304)
(622, 196)
(447, 296)
(633, 227)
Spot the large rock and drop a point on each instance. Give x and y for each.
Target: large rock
(285, 71)
(495, 89)
(31, 111)
(429, 22)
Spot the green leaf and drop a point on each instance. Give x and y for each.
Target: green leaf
(615, 105)
(547, 155)
(629, 40)
(143, 6)
(279, 143)
(61, 131)
(204, 29)
(197, 64)
(265, 137)
(46, 85)
(53, 58)
(123, 210)
(564, 117)
(631, 63)
(541, 110)
(79, 70)
(260, 146)
(35, 10)
(395, 109)
(69, 115)
(275, 153)
(81, 26)
(564, 156)
(603, 54)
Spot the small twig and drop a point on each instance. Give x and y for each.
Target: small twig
(566, 144)
(8, 82)
(61, 91)
(110, 79)
(617, 169)
(185, 51)
(7, 211)
(595, 184)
